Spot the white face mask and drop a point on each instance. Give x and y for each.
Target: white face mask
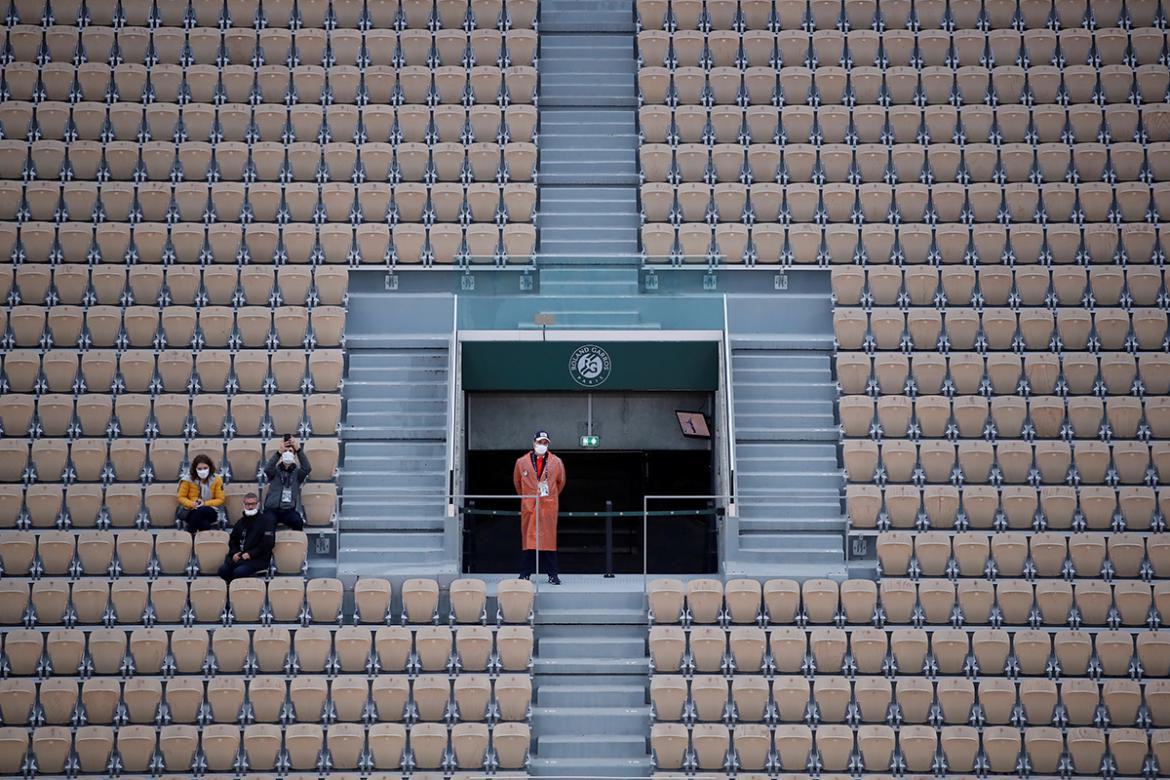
(251, 512)
(203, 473)
(540, 449)
(288, 458)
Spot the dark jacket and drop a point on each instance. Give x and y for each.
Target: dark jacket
(278, 476)
(253, 535)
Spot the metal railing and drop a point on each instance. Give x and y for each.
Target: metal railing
(449, 501)
(720, 510)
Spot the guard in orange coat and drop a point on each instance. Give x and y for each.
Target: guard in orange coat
(539, 473)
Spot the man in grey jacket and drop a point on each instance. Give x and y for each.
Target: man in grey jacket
(286, 469)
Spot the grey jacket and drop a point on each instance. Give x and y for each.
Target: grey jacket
(278, 476)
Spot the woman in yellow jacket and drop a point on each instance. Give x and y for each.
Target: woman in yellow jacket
(200, 492)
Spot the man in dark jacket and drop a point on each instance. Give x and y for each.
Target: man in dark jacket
(250, 544)
(286, 469)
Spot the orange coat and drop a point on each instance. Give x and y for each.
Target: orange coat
(526, 484)
(189, 492)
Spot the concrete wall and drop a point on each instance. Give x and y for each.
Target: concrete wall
(624, 421)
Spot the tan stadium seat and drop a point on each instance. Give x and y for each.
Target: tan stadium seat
(669, 743)
(705, 600)
(514, 647)
(667, 647)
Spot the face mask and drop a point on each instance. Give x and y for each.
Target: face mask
(540, 449)
(251, 512)
(288, 458)
(202, 473)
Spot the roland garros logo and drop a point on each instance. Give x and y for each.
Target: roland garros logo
(590, 365)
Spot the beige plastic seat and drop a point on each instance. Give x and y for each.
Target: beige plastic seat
(669, 743)
(705, 600)
(667, 648)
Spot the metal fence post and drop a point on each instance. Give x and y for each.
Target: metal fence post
(609, 538)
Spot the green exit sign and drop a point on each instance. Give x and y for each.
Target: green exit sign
(590, 441)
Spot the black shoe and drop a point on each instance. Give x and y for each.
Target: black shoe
(554, 580)
(522, 577)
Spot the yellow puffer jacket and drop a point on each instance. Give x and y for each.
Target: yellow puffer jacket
(189, 493)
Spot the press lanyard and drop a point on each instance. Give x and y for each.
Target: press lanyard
(539, 469)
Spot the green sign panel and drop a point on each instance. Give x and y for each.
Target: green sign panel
(597, 365)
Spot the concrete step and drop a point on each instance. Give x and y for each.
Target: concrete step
(597, 746)
(590, 767)
(601, 648)
(590, 665)
(587, 692)
(601, 721)
(587, 614)
(573, 20)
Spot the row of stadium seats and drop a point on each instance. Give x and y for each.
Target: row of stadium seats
(240, 45)
(165, 552)
(145, 326)
(303, 161)
(901, 601)
(236, 123)
(894, 204)
(958, 749)
(1027, 285)
(260, 746)
(130, 600)
(112, 285)
(276, 84)
(837, 163)
(102, 701)
(47, 202)
(1012, 462)
(133, 415)
(949, 244)
(173, 370)
(115, 506)
(325, 14)
(1056, 652)
(925, 14)
(1014, 554)
(1004, 373)
(932, 85)
(137, 460)
(865, 46)
(1064, 507)
(235, 650)
(1072, 701)
(296, 243)
(864, 126)
(283, 598)
(165, 600)
(973, 416)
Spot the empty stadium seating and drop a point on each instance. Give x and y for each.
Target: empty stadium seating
(274, 668)
(987, 182)
(867, 677)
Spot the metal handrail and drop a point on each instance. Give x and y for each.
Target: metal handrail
(646, 514)
(448, 500)
(729, 408)
(452, 373)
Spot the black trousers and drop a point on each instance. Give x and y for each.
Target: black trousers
(232, 570)
(548, 564)
(289, 518)
(202, 519)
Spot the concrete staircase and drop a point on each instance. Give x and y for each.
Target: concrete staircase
(395, 433)
(784, 401)
(588, 145)
(393, 475)
(590, 712)
(788, 479)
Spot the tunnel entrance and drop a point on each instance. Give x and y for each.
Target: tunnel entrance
(640, 447)
(596, 482)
